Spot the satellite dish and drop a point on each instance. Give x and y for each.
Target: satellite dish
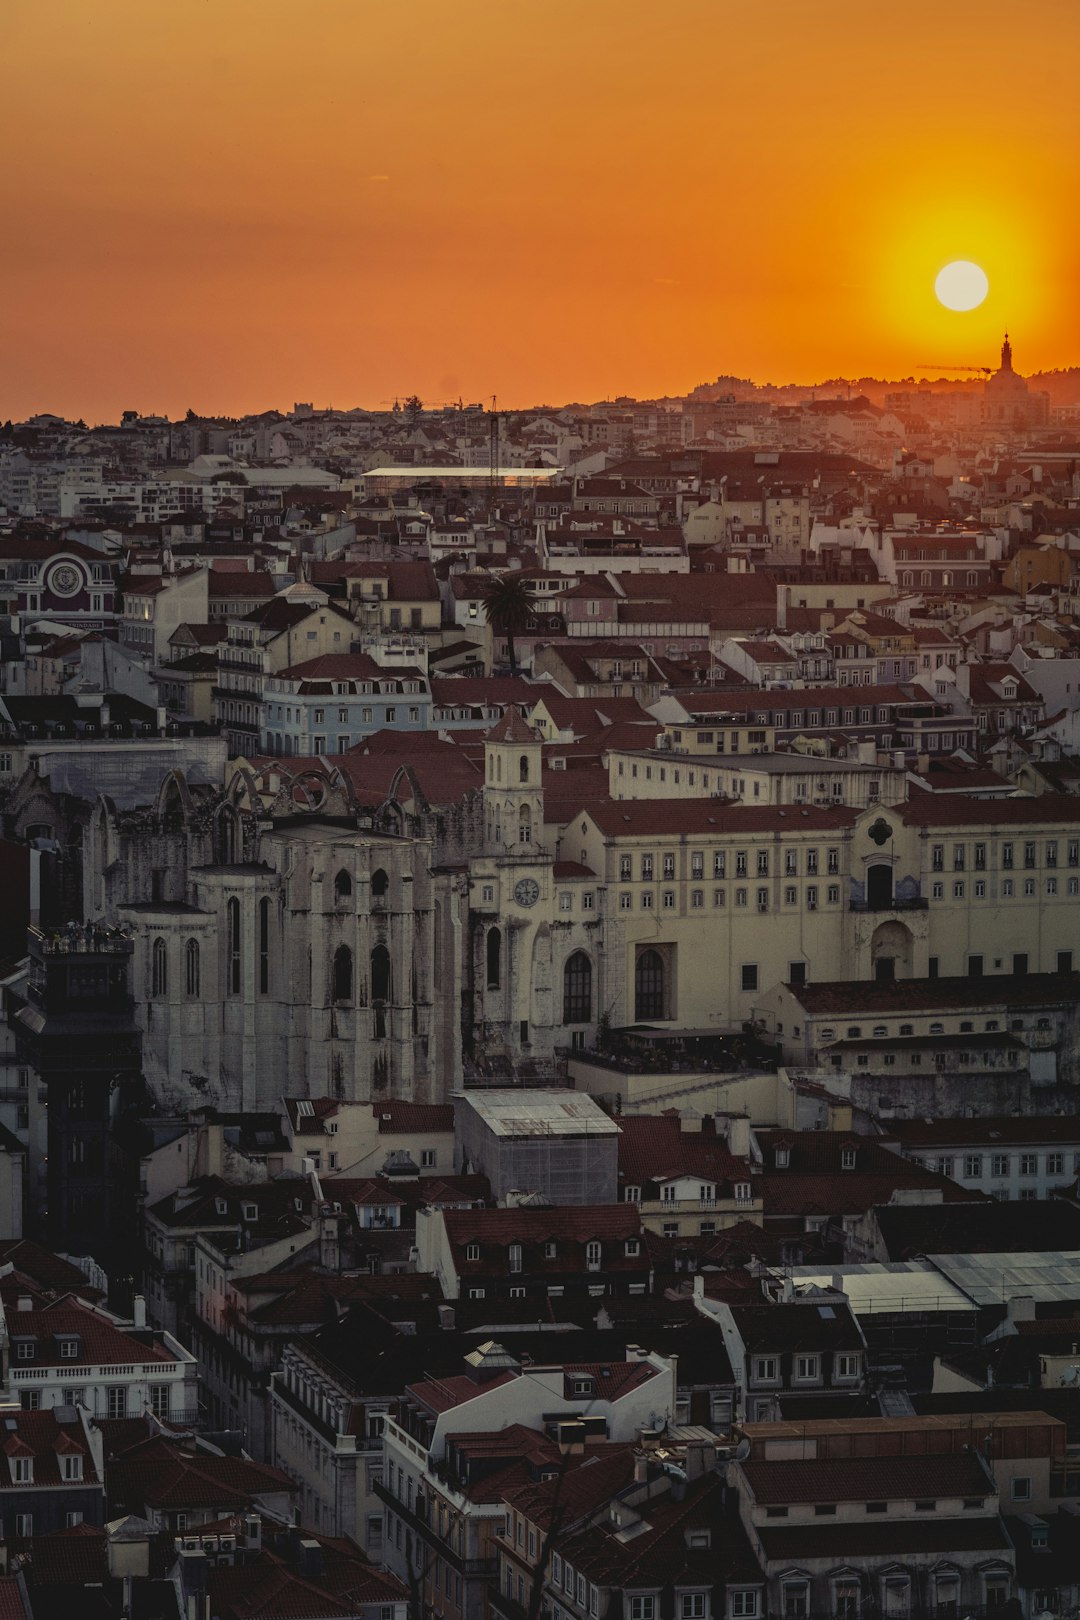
(1071, 1374)
(742, 1450)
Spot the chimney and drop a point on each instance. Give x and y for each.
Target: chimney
(309, 1559)
(138, 1314)
(24, 1303)
(329, 1246)
(253, 1530)
(781, 607)
(446, 1318)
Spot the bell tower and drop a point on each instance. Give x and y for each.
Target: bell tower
(1006, 354)
(513, 797)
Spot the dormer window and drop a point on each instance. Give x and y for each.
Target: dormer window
(583, 1386)
(251, 1212)
(71, 1467)
(472, 1251)
(633, 1248)
(515, 1256)
(783, 1158)
(592, 1256)
(221, 1206)
(25, 1349)
(847, 1158)
(22, 1470)
(550, 1250)
(69, 1349)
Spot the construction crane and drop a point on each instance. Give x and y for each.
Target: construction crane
(939, 365)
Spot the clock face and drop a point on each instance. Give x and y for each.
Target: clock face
(527, 892)
(64, 580)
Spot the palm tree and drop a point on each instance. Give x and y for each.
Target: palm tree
(508, 608)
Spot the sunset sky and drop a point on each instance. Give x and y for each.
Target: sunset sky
(235, 204)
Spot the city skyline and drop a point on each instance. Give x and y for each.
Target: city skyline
(239, 216)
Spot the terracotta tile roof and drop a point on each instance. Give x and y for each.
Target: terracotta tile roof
(1049, 810)
(840, 997)
(595, 1479)
(654, 1148)
(444, 1394)
(856, 1542)
(403, 1118)
(40, 1435)
(45, 1268)
(164, 1474)
(674, 818)
(858, 1479)
(987, 1132)
(74, 1557)
(101, 1342)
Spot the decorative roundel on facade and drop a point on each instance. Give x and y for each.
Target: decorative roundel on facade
(64, 580)
(881, 832)
(527, 892)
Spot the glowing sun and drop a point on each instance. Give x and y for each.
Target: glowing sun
(961, 285)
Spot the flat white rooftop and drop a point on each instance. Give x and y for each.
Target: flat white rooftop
(468, 475)
(889, 1287)
(540, 1113)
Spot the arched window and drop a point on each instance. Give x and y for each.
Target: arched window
(525, 825)
(160, 964)
(232, 938)
(264, 946)
(343, 985)
(191, 964)
(649, 985)
(342, 886)
(380, 883)
(380, 974)
(494, 959)
(523, 768)
(498, 767)
(577, 989)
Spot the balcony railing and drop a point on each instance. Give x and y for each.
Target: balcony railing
(914, 903)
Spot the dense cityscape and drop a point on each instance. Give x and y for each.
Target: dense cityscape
(540, 1058)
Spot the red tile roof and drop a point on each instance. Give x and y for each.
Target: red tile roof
(101, 1342)
(165, 1474)
(859, 1479)
(674, 818)
(840, 997)
(407, 1117)
(40, 1435)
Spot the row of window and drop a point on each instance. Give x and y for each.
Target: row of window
(741, 897)
(1001, 1164)
(1007, 888)
(159, 956)
(1008, 852)
(806, 1369)
(741, 865)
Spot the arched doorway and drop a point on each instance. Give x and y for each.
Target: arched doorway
(879, 886)
(891, 951)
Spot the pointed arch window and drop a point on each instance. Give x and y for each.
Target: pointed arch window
(649, 985)
(342, 886)
(343, 974)
(494, 958)
(380, 884)
(160, 968)
(523, 768)
(232, 947)
(577, 989)
(191, 967)
(264, 946)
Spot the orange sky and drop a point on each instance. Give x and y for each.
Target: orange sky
(233, 204)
